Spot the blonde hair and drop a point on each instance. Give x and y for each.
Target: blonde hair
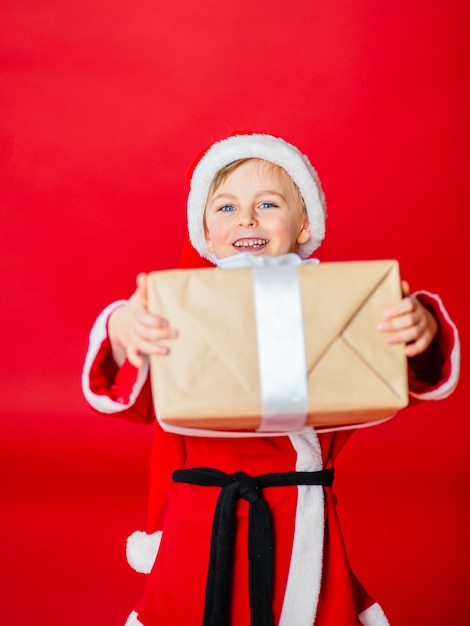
(228, 169)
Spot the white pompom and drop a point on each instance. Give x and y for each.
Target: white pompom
(142, 549)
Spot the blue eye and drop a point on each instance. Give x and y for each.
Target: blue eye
(267, 205)
(227, 208)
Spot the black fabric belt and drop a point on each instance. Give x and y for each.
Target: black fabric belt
(260, 537)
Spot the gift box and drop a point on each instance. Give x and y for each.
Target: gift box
(275, 347)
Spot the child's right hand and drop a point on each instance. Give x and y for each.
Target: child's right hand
(134, 332)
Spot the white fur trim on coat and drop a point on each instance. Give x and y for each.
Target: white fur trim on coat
(98, 334)
(132, 620)
(305, 571)
(142, 549)
(256, 146)
(374, 616)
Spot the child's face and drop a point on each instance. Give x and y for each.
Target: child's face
(255, 210)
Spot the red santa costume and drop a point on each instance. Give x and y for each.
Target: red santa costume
(312, 582)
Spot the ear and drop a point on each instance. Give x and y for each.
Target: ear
(208, 239)
(305, 232)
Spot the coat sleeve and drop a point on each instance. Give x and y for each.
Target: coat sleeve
(434, 374)
(125, 390)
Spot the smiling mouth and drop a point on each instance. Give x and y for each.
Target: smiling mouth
(250, 243)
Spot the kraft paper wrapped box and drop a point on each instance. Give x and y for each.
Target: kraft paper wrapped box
(276, 347)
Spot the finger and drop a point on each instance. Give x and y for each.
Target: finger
(406, 336)
(134, 358)
(407, 305)
(145, 340)
(402, 323)
(417, 347)
(147, 320)
(136, 354)
(147, 348)
(405, 288)
(141, 287)
(153, 334)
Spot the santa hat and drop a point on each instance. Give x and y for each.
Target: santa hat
(255, 146)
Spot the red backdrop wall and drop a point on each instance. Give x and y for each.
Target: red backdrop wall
(104, 106)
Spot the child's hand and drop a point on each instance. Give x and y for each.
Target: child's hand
(409, 322)
(134, 332)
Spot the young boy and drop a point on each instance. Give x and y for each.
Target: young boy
(252, 193)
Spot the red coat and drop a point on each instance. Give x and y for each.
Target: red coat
(313, 582)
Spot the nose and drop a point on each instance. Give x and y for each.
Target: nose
(247, 217)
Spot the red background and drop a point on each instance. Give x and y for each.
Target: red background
(104, 106)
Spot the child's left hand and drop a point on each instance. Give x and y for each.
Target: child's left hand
(409, 322)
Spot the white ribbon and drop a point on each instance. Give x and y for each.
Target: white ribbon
(280, 339)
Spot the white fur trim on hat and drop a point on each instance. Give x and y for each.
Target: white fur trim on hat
(256, 146)
(142, 549)
(373, 616)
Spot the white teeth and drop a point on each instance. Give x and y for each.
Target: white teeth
(252, 243)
